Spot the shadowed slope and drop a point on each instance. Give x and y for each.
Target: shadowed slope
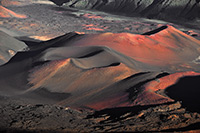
(188, 90)
(88, 57)
(153, 92)
(59, 2)
(155, 31)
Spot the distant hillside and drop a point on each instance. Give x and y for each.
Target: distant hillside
(159, 9)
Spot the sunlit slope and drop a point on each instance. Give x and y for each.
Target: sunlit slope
(101, 71)
(92, 67)
(167, 47)
(6, 13)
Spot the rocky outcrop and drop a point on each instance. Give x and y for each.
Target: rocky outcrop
(18, 116)
(159, 9)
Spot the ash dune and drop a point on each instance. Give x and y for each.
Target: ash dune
(111, 59)
(157, 88)
(87, 57)
(170, 45)
(84, 94)
(106, 81)
(69, 65)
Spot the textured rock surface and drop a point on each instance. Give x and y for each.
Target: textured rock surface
(160, 9)
(19, 116)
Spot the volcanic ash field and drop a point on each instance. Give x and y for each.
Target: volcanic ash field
(99, 65)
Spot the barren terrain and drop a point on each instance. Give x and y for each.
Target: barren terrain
(99, 66)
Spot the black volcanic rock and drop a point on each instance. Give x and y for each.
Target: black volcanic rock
(59, 2)
(19, 116)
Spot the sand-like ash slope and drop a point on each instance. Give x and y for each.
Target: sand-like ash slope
(153, 91)
(7, 13)
(165, 46)
(100, 71)
(133, 82)
(9, 46)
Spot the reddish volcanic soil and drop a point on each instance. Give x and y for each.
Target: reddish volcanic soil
(10, 3)
(153, 91)
(167, 44)
(6, 13)
(71, 70)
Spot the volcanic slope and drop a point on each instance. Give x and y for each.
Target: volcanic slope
(163, 47)
(6, 13)
(160, 9)
(98, 71)
(9, 46)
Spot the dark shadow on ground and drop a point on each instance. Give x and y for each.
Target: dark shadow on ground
(17, 130)
(44, 93)
(194, 126)
(187, 90)
(155, 31)
(116, 113)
